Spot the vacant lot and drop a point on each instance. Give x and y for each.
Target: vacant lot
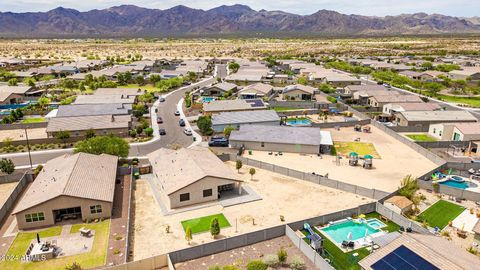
(292, 198)
(5, 191)
(421, 137)
(19, 134)
(440, 213)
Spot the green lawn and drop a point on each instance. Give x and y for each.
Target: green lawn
(95, 258)
(472, 101)
(361, 148)
(148, 87)
(284, 109)
(33, 120)
(202, 224)
(440, 213)
(421, 137)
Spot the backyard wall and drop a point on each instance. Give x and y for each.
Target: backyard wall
(9, 203)
(399, 219)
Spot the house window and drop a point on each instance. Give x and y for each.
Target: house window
(262, 144)
(184, 197)
(95, 209)
(207, 192)
(34, 217)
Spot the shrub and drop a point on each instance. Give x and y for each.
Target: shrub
(231, 267)
(271, 260)
(214, 227)
(282, 255)
(256, 265)
(332, 99)
(297, 263)
(215, 267)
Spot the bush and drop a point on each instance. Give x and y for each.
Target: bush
(282, 255)
(271, 260)
(332, 99)
(297, 263)
(256, 265)
(231, 267)
(215, 267)
(148, 131)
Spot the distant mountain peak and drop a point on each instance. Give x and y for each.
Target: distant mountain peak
(134, 21)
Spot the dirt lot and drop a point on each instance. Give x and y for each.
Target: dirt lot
(241, 256)
(6, 190)
(19, 134)
(397, 161)
(294, 199)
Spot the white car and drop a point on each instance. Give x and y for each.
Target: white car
(187, 132)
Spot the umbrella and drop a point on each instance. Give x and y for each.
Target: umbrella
(353, 154)
(349, 236)
(368, 157)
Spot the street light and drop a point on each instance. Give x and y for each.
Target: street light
(28, 148)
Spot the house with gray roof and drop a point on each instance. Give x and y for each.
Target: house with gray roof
(13, 94)
(218, 90)
(70, 186)
(191, 176)
(104, 99)
(93, 109)
(218, 106)
(307, 140)
(257, 90)
(298, 92)
(77, 126)
(238, 119)
(426, 118)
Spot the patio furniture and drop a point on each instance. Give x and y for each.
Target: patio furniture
(85, 232)
(345, 244)
(383, 218)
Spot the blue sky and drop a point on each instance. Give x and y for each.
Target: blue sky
(465, 8)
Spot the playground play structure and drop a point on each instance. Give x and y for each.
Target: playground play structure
(316, 241)
(367, 160)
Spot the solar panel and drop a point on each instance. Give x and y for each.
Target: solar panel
(255, 103)
(403, 258)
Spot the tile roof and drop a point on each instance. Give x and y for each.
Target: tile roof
(258, 88)
(119, 91)
(397, 98)
(439, 116)
(104, 99)
(436, 250)
(304, 88)
(95, 122)
(417, 106)
(93, 109)
(468, 128)
(176, 169)
(80, 175)
(233, 105)
(400, 201)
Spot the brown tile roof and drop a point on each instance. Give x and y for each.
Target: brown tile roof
(95, 122)
(176, 169)
(80, 175)
(400, 201)
(436, 250)
(119, 91)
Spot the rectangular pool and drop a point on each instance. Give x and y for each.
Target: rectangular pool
(359, 229)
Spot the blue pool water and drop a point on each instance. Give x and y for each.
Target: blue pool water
(375, 223)
(339, 232)
(299, 122)
(207, 99)
(455, 184)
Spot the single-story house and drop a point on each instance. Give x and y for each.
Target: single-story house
(102, 125)
(432, 76)
(341, 80)
(238, 119)
(218, 106)
(426, 118)
(13, 94)
(104, 99)
(398, 204)
(411, 74)
(306, 140)
(218, 90)
(392, 108)
(257, 90)
(191, 176)
(419, 251)
(471, 72)
(125, 92)
(74, 186)
(455, 131)
(378, 101)
(299, 92)
(93, 109)
(349, 90)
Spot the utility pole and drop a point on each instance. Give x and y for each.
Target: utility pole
(28, 148)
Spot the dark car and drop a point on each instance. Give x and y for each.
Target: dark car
(181, 122)
(159, 120)
(162, 131)
(162, 99)
(223, 142)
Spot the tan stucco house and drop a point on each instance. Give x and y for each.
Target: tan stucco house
(191, 176)
(70, 186)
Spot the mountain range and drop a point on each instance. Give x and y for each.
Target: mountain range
(133, 21)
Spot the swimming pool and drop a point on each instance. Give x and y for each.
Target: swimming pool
(376, 224)
(299, 122)
(456, 184)
(339, 232)
(207, 99)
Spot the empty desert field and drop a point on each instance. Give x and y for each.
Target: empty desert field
(397, 160)
(6, 190)
(300, 200)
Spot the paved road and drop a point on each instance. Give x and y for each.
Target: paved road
(221, 71)
(166, 110)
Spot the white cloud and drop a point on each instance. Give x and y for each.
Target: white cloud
(362, 7)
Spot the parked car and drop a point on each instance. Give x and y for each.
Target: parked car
(387, 85)
(181, 122)
(177, 113)
(187, 132)
(162, 99)
(221, 142)
(159, 120)
(162, 131)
